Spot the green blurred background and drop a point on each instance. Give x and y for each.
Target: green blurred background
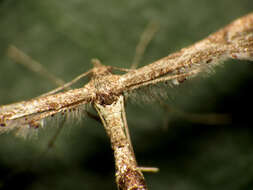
(65, 35)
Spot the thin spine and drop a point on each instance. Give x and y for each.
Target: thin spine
(144, 41)
(20, 57)
(68, 84)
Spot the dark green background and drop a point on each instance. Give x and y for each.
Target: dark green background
(64, 35)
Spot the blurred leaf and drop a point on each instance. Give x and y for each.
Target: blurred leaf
(65, 35)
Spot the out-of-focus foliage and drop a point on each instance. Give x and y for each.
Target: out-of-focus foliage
(64, 35)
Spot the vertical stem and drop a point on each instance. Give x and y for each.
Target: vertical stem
(128, 176)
